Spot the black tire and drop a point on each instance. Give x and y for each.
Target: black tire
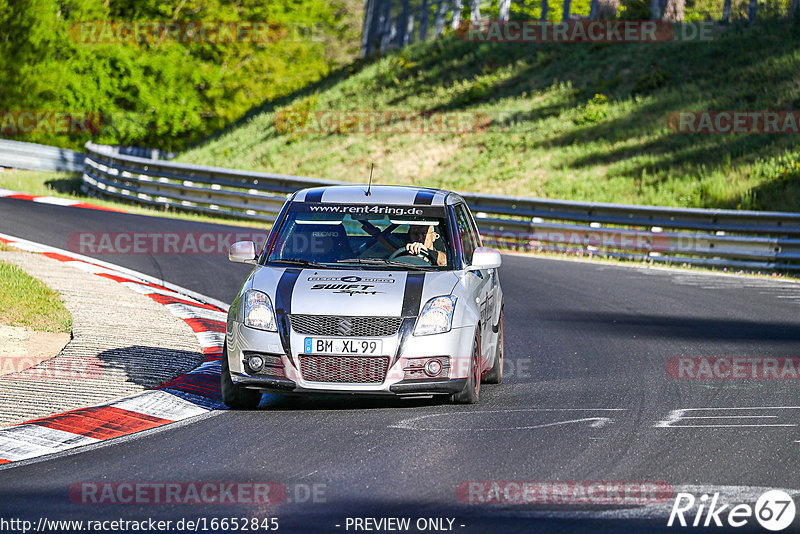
(495, 374)
(472, 389)
(235, 397)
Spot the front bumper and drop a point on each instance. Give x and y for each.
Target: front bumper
(456, 345)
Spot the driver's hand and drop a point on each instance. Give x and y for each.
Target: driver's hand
(416, 248)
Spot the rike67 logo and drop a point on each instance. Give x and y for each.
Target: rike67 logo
(774, 510)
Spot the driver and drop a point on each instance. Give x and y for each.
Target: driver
(424, 239)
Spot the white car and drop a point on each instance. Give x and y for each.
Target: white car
(369, 291)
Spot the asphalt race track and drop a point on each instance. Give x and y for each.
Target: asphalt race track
(586, 397)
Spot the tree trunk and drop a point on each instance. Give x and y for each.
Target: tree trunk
(751, 10)
(371, 32)
(544, 9)
(441, 9)
(475, 11)
(408, 38)
(456, 20)
(607, 9)
(726, 11)
(423, 20)
(673, 10)
(565, 10)
(387, 28)
(504, 8)
(655, 11)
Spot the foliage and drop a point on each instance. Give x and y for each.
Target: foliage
(162, 93)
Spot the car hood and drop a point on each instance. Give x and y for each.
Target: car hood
(352, 292)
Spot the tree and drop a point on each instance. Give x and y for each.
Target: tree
(673, 10)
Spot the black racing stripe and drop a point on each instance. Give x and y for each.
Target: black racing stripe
(424, 198)
(406, 329)
(283, 306)
(412, 300)
(412, 294)
(315, 195)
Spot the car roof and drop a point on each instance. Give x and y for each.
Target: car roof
(401, 195)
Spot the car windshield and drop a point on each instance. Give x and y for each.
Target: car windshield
(364, 236)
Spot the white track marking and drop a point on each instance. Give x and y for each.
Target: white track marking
(596, 422)
(185, 311)
(210, 339)
(160, 404)
(30, 440)
(56, 201)
(678, 415)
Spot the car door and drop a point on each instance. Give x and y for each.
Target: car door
(490, 297)
(478, 283)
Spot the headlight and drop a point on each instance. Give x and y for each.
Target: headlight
(258, 312)
(436, 316)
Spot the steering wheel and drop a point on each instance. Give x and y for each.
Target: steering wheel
(429, 255)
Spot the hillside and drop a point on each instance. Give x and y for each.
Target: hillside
(574, 121)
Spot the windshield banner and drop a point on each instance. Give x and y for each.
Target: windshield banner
(373, 210)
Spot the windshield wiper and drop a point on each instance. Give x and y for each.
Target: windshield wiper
(380, 261)
(301, 262)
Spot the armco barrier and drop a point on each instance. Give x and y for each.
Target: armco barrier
(37, 157)
(723, 238)
(745, 239)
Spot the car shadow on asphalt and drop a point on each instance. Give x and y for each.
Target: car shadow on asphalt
(148, 367)
(344, 402)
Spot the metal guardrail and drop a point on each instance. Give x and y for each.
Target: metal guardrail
(725, 238)
(37, 157)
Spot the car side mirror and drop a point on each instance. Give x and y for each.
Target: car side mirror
(484, 258)
(242, 252)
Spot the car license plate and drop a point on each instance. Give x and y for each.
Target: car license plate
(320, 345)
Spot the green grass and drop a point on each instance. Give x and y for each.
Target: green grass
(572, 121)
(67, 185)
(25, 301)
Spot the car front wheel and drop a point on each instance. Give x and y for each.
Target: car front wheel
(473, 387)
(234, 396)
(495, 374)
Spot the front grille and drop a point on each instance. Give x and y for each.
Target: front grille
(336, 325)
(344, 369)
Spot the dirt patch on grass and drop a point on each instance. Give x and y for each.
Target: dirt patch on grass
(22, 347)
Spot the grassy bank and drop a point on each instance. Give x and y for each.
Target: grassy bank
(25, 301)
(573, 121)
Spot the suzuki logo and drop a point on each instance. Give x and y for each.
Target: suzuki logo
(345, 327)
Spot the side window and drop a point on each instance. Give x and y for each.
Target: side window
(476, 236)
(465, 232)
